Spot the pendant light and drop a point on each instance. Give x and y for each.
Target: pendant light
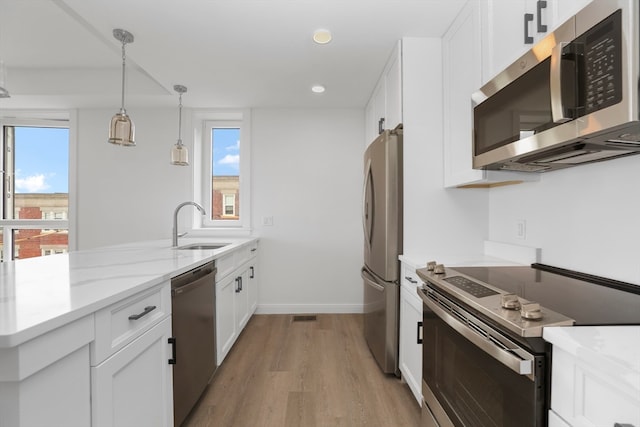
(122, 129)
(179, 153)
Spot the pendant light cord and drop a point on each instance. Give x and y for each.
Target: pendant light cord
(122, 110)
(180, 121)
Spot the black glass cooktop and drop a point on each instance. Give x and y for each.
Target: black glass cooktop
(586, 302)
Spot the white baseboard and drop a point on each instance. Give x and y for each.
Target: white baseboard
(308, 308)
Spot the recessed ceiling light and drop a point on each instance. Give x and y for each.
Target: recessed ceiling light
(317, 88)
(322, 36)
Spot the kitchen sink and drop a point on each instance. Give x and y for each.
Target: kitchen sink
(195, 246)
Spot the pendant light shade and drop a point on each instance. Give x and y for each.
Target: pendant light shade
(179, 153)
(122, 129)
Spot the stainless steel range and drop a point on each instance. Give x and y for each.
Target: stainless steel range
(484, 360)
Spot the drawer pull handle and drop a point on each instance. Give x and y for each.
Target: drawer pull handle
(419, 340)
(253, 249)
(252, 274)
(148, 309)
(172, 341)
(410, 279)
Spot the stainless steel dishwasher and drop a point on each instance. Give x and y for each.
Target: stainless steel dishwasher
(194, 334)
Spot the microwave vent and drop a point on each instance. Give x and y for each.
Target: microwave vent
(523, 167)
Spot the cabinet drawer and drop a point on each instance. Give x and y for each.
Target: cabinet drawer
(225, 265)
(245, 253)
(410, 279)
(122, 322)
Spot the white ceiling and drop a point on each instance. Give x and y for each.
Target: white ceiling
(229, 53)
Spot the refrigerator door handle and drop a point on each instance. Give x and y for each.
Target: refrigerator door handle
(365, 208)
(370, 280)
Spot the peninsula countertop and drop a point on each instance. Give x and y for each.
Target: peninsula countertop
(38, 295)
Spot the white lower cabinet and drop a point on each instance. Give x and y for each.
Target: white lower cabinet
(46, 381)
(236, 299)
(134, 387)
(131, 378)
(410, 360)
(594, 376)
(225, 316)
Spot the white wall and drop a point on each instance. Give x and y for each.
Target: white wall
(307, 175)
(128, 194)
(585, 218)
(437, 222)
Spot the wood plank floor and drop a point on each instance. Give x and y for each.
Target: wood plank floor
(304, 373)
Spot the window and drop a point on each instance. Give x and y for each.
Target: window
(225, 172)
(35, 189)
(229, 206)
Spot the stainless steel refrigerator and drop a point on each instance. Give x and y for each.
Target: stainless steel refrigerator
(382, 220)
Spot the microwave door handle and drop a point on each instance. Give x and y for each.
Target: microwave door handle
(555, 85)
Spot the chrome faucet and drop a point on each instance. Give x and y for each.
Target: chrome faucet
(175, 219)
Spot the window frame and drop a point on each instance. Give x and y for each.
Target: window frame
(50, 119)
(203, 188)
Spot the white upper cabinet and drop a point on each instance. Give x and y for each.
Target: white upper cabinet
(384, 109)
(462, 62)
(506, 24)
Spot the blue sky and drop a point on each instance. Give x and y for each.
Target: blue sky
(226, 151)
(41, 160)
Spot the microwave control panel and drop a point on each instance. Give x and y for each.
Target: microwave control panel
(602, 46)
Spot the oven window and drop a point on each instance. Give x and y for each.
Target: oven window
(475, 389)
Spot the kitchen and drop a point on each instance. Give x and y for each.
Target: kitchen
(579, 217)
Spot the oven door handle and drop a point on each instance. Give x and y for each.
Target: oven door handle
(522, 365)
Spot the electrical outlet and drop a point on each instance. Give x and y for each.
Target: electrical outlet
(521, 229)
(267, 221)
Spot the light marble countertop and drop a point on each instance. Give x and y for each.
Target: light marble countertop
(40, 294)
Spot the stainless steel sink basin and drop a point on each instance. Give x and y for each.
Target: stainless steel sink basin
(195, 246)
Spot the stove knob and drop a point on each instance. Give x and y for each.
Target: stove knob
(510, 301)
(431, 265)
(439, 269)
(531, 311)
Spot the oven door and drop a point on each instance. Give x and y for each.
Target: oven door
(473, 376)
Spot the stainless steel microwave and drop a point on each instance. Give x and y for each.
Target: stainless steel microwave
(572, 99)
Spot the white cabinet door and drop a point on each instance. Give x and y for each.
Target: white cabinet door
(134, 387)
(410, 360)
(241, 302)
(252, 286)
(393, 90)
(384, 109)
(410, 348)
(461, 50)
(226, 331)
